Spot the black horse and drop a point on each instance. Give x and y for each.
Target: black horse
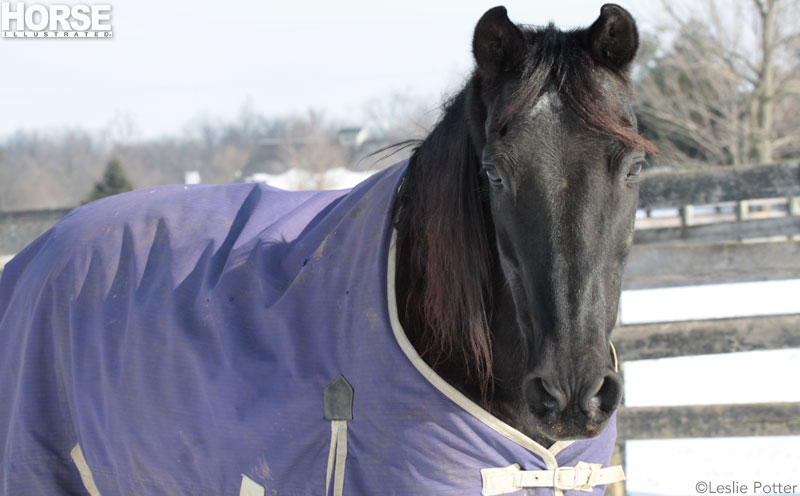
(515, 220)
(209, 339)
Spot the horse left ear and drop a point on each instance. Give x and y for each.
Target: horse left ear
(613, 38)
(498, 44)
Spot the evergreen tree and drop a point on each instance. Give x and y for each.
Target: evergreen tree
(114, 181)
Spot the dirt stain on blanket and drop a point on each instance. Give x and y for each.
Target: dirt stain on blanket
(261, 469)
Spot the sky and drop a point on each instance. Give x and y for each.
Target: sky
(175, 61)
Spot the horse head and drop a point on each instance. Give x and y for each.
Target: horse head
(515, 219)
(553, 125)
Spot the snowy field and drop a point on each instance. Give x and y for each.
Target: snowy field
(294, 179)
(758, 465)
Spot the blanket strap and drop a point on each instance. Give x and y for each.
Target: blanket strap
(582, 477)
(337, 402)
(83, 468)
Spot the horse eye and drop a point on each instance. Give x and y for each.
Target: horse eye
(635, 169)
(493, 176)
(503, 130)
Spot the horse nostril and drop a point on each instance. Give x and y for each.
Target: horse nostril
(606, 397)
(543, 397)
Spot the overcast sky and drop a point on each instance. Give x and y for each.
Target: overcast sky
(172, 61)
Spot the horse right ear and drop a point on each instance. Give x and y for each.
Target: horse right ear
(498, 44)
(613, 38)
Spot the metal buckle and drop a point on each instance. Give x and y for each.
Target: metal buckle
(556, 474)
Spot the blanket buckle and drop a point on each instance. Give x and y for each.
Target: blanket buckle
(565, 478)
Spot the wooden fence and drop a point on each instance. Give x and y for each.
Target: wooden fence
(731, 225)
(20, 228)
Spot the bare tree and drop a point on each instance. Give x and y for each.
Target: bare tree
(731, 69)
(400, 116)
(48, 170)
(310, 144)
(58, 168)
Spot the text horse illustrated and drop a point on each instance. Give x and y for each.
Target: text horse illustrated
(442, 328)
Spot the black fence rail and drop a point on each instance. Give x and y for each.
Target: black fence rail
(19, 229)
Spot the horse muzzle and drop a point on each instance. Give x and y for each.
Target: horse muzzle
(572, 408)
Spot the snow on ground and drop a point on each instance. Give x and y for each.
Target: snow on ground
(699, 466)
(711, 301)
(297, 179)
(748, 377)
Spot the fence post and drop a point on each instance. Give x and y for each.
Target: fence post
(742, 210)
(794, 205)
(687, 215)
(794, 211)
(618, 458)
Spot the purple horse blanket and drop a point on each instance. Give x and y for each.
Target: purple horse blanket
(239, 339)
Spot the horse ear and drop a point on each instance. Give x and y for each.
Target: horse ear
(613, 38)
(498, 44)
